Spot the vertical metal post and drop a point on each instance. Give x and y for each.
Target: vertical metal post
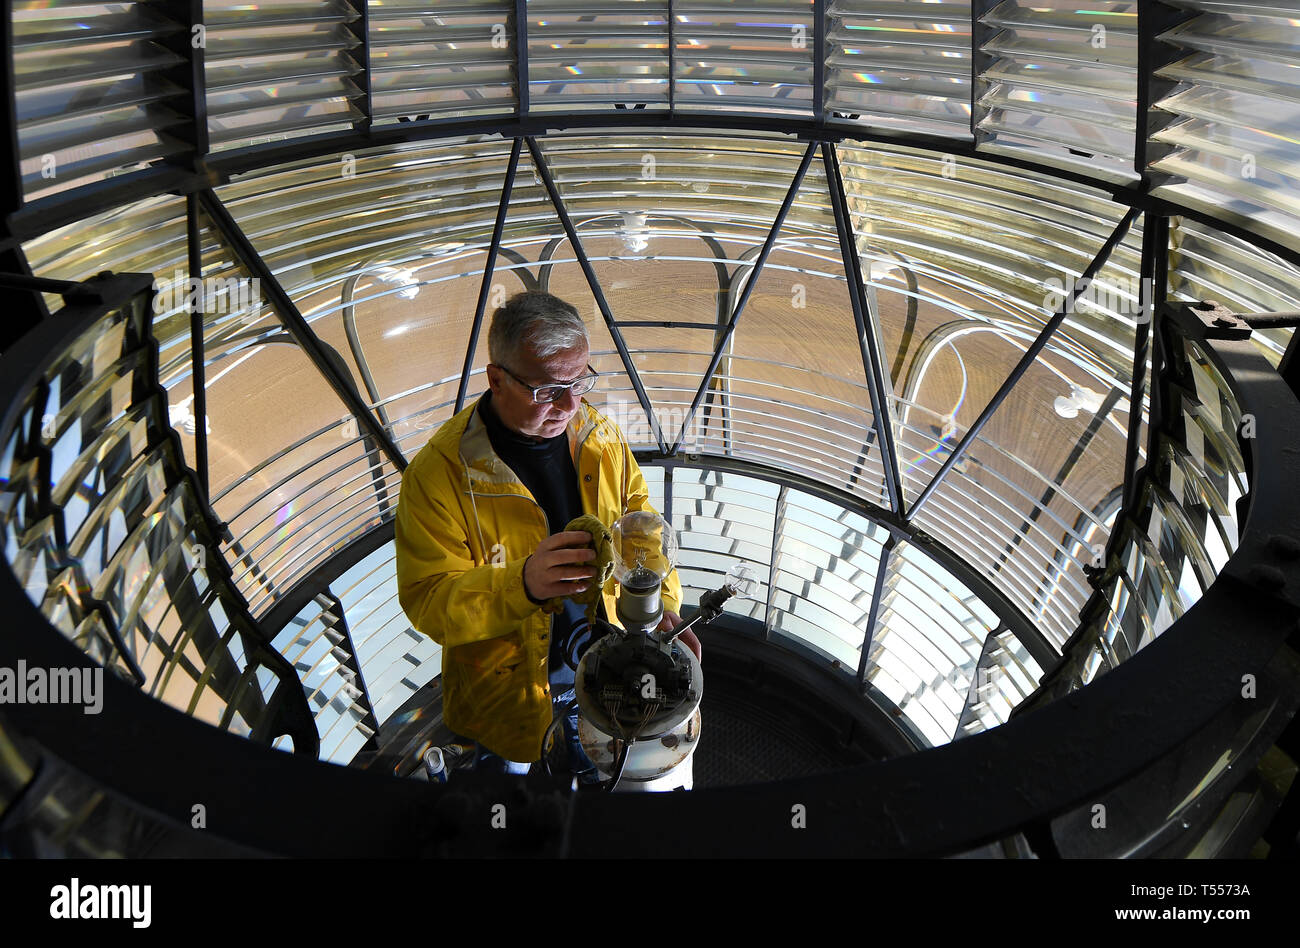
(868, 348)
(189, 75)
(489, 267)
(1154, 285)
(11, 174)
(750, 283)
(980, 34)
(778, 531)
(360, 28)
(873, 613)
(819, 61)
(197, 358)
(24, 309)
(521, 56)
(974, 697)
(672, 56)
(1027, 359)
(333, 608)
(1153, 19)
(667, 512)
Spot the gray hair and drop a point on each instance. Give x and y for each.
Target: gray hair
(536, 320)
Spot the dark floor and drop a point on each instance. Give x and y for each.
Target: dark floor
(743, 741)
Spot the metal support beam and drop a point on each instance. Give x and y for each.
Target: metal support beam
(672, 56)
(667, 512)
(745, 294)
(197, 358)
(1272, 320)
(293, 320)
(332, 609)
(980, 34)
(819, 61)
(489, 266)
(360, 28)
(62, 209)
(974, 694)
(778, 532)
(190, 76)
(521, 56)
(11, 173)
(539, 163)
(873, 613)
(1153, 19)
(1154, 285)
(1026, 360)
(868, 346)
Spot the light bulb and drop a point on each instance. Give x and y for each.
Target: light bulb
(644, 548)
(741, 582)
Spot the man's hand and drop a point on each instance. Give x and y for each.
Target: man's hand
(672, 620)
(558, 566)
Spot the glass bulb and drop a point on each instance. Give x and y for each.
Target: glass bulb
(741, 581)
(645, 548)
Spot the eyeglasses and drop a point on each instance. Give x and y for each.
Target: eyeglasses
(544, 394)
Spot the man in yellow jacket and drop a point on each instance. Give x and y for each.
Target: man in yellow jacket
(480, 534)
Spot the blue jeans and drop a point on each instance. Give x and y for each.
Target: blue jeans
(487, 762)
(579, 764)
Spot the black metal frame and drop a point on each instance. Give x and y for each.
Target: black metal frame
(360, 28)
(1154, 285)
(544, 172)
(819, 61)
(873, 368)
(980, 34)
(1016, 779)
(489, 266)
(336, 612)
(198, 375)
(1154, 18)
(521, 56)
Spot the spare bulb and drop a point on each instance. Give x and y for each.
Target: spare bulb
(741, 582)
(645, 549)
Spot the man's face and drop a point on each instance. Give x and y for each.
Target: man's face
(514, 404)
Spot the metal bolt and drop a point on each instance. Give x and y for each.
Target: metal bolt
(1222, 321)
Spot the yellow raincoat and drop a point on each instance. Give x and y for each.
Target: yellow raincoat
(465, 526)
